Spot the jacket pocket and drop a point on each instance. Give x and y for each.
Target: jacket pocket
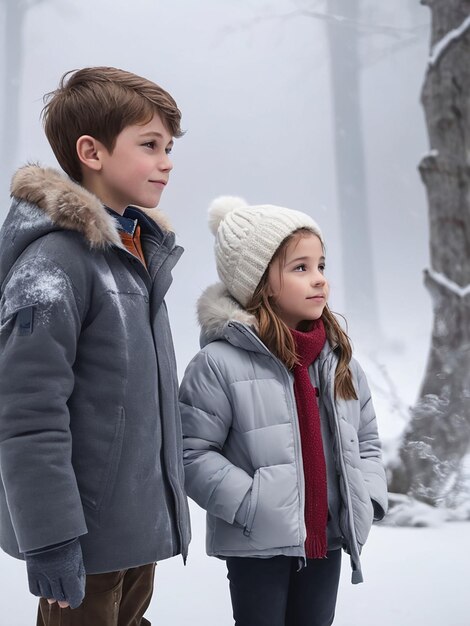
(253, 504)
(104, 478)
(363, 509)
(274, 518)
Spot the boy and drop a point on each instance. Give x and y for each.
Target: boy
(91, 490)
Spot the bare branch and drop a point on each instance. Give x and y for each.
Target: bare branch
(365, 28)
(398, 406)
(23, 5)
(396, 46)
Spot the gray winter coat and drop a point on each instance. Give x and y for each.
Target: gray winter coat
(242, 442)
(90, 434)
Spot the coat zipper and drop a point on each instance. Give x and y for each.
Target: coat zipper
(297, 443)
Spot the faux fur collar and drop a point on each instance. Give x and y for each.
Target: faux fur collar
(70, 206)
(215, 308)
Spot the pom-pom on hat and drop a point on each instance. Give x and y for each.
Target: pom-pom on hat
(246, 239)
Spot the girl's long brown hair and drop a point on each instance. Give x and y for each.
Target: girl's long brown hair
(275, 334)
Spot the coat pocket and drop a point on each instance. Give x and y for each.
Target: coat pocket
(97, 480)
(274, 518)
(361, 503)
(363, 509)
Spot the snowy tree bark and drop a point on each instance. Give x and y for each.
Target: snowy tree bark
(438, 435)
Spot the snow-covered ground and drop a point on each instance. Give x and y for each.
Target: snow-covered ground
(413, 577)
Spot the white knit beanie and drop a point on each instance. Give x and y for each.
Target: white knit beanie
(246, 239)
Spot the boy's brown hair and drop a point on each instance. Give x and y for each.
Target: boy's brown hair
(101, 102)
(275, 334)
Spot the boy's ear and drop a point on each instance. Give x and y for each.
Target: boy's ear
(89, 152)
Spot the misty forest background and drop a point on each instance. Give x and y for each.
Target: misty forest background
(357, 112)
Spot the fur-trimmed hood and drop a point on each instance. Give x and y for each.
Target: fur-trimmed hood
(215, 309)
(45, 200)
(67, 205)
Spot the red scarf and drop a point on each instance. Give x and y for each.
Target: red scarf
(308, 347)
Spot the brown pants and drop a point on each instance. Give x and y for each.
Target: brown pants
(114, 599)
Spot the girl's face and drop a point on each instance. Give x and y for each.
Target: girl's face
(297, 284)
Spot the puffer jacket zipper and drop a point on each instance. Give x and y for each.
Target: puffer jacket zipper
(293, 412)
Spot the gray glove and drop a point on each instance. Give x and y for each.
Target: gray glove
(57, 573)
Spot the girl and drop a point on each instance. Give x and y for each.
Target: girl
(280, 436)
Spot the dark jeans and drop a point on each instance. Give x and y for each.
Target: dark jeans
(114, 599)
(271, 592)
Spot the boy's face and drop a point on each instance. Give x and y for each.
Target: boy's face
(137, 170)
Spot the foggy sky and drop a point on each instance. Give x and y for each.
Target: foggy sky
(255, 96)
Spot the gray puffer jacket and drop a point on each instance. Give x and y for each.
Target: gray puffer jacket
(90, 432)
(242, 442)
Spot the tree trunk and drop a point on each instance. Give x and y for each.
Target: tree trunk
(358, 279)
(438, 435)
(14, 11)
